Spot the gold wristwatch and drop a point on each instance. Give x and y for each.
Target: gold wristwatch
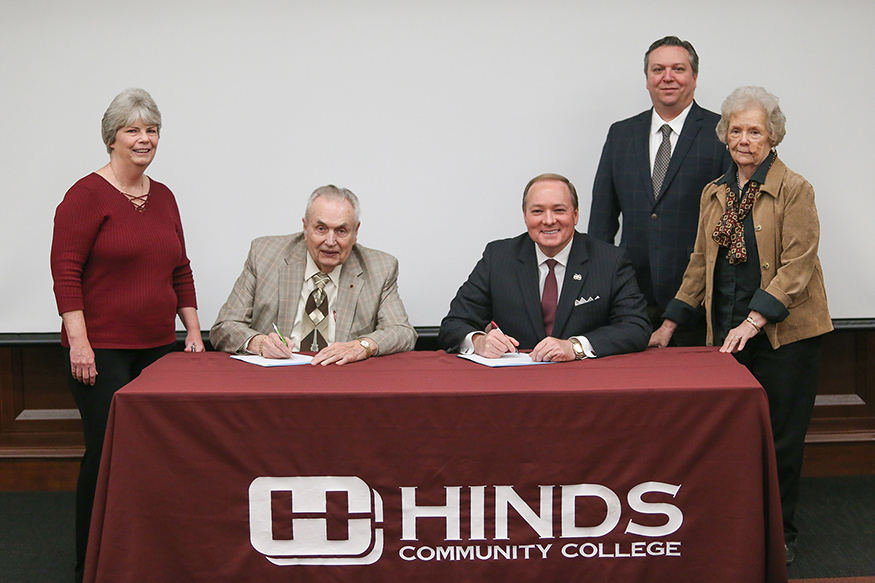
(576, 345)
(366, 344)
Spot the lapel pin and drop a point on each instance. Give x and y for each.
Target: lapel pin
(577, 277)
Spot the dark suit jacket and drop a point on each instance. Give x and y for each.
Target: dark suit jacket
(599, 300)
(658, 234)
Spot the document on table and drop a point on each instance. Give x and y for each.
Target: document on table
(506, 359)
(261, 361)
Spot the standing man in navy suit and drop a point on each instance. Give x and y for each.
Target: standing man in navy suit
(554, 291)
(653, 169)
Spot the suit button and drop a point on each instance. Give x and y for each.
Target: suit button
(765, 266)
(654, 216)
(758, 228)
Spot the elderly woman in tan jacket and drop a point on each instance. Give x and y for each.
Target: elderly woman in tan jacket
(755, 269)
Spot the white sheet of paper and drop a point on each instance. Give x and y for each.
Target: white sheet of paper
(261, 361)
(506, 359)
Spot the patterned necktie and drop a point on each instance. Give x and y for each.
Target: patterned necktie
(550, 297)
(663, 155)
(317, 312)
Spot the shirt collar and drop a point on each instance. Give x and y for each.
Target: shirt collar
(759, 176)
(561, 257)
(312, 270)
(676, 125)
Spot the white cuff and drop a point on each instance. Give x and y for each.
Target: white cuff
(467, 345)
(587, 347)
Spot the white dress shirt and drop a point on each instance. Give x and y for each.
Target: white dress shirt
(676, 125)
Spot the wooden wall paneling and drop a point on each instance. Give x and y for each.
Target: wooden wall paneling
(38, 417)
(44, 403)
(846, 393)
(41, 437)
(841, 437)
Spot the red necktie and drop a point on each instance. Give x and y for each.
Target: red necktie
(549, 298)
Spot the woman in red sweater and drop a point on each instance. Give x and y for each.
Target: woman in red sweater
(121, 276)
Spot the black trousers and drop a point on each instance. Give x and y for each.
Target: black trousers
(115, 369)
(789, 376)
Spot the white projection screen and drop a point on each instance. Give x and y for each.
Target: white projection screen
(435, 113)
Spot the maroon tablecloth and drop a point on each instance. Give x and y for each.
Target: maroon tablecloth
(652, 467)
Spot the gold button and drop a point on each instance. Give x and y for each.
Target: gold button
(765, 266)
(758, 228)
(654, 216)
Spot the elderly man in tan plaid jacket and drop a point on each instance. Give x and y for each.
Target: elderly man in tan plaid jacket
(316, 290)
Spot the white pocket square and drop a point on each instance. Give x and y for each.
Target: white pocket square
(581, 301)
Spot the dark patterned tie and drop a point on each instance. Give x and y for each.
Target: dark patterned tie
(550, 297)
(663, 155)
(317, 311)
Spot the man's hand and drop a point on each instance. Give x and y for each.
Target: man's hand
(493, 344)
(553, 350)
(662, 335)
(343, 353)
(270, 346)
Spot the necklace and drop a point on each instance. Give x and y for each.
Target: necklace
(140, 201)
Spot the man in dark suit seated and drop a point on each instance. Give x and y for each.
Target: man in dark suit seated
(554, 291)
(653, 169)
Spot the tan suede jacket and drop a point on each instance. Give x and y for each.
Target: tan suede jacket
(787, 235)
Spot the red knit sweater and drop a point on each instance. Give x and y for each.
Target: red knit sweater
(126, 270)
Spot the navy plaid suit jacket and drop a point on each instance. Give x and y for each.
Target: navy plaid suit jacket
(658, 234)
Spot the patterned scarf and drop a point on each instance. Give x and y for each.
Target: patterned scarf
(729, 232)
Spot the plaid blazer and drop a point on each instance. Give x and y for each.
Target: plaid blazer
(269, 290)
(658, 233)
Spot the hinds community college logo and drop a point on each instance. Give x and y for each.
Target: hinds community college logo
(338, 520)
(310, 541)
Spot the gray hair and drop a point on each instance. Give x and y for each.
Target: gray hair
(550, 176)
(333, 192)
(128, 106)
(673, 41)
(745, 98)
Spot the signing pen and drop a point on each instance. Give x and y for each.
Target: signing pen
(280, 334)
